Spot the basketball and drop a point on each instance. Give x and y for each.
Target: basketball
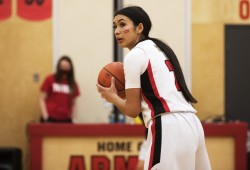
(113, 69)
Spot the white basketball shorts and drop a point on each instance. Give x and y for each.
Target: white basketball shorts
(176, 142)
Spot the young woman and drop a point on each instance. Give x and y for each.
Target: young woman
(58, 93)
(156, 87)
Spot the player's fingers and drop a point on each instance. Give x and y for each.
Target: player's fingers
(112, 82)
(97, 87)
(100, 88)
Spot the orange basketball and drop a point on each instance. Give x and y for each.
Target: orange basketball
(114, 69)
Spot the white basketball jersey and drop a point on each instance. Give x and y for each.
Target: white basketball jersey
(147, 67)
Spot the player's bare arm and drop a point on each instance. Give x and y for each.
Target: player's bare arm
(131, 106)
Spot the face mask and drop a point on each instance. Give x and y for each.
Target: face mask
(65, 72)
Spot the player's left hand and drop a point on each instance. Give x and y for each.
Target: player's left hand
(108, 93)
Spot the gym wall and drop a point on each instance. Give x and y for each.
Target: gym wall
(26, 57)
(208, 53)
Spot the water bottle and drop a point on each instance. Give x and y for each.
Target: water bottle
(112, 118)
(121, 118)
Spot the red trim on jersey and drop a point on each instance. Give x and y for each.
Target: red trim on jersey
(169, 65)
(171, 68)
(150, 106)
(156, 93)
(152, 146)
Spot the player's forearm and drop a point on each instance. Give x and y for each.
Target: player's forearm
(126, 108)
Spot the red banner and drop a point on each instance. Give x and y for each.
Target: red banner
(34, 9)
(5, 9)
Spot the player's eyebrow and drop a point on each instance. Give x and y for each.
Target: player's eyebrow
(119, 20)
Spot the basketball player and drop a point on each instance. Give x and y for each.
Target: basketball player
(156, 87)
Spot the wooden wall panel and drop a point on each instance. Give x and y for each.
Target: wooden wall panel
(207, 70)
(25, 50)
(208, 21)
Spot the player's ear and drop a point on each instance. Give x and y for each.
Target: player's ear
(139, 28)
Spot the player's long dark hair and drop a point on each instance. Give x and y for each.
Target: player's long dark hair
(70, 74)
(138, 15)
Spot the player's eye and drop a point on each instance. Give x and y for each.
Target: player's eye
(122, 24)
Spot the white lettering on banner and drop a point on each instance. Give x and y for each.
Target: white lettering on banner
(61, 88)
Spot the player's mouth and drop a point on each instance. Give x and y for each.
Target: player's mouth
(119, 40)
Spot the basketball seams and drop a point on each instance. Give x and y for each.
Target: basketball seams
(115, 78)
(100, 83)
(104, 86)
(114, 69)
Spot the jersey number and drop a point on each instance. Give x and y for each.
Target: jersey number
(170, 68)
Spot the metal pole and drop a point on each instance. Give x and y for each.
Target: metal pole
(117, 53)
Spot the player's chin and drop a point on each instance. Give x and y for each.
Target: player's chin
(122, 45)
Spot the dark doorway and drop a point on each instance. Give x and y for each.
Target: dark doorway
(237, 72)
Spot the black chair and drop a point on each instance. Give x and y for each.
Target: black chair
(10, 159)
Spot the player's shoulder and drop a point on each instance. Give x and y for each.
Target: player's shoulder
(140, 52)
(146, 44)
(140, 49)
(136, 55)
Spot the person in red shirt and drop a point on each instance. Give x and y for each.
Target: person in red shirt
(58, 93)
